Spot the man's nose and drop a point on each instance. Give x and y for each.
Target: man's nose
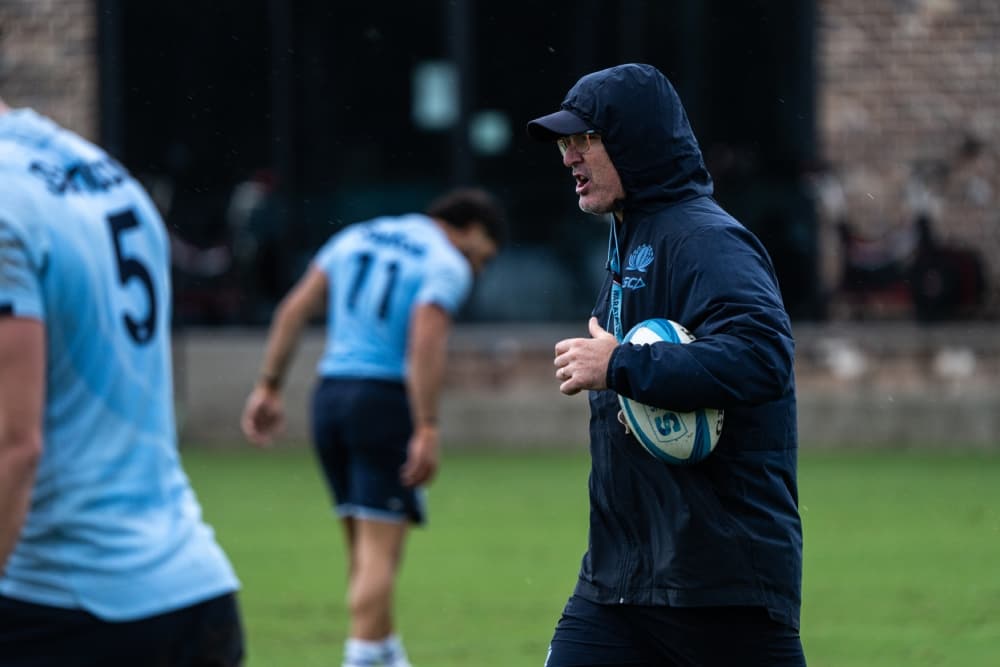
(571, 157)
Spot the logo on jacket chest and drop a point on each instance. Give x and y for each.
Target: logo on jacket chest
(638, 261)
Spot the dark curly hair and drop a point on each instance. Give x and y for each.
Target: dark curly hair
(462, 207)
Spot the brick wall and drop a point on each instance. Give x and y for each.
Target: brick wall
(48, 60)
(909, 119)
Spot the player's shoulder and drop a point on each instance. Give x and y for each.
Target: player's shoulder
(449, 264)
(442, 247)
(346, 237)
(342, 242)
(17, 171)
(39, 159)
(22, 197)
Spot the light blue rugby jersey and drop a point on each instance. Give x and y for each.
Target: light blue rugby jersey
(114, 526)
(378, 271)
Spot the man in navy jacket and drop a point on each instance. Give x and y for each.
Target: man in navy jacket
(698, 564)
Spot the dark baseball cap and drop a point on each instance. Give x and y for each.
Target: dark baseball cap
(562, 123)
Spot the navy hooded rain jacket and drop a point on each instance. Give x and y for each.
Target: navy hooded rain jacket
(725, 531)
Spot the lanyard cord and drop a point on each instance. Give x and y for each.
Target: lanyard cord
(614, 323)
(615, 310)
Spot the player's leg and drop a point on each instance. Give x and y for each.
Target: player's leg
(383, 509)
(594, 635)
(332, 411)
(378, 551)
(377, 555)
(330, 407)
(350, 527)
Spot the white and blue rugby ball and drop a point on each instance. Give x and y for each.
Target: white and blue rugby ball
(673, 437)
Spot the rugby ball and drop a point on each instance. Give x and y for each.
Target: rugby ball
(672, 437)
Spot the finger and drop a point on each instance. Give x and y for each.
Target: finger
(422, 475)
(246, 416)
(569, 388)
(561, 361)
(260, 424)
(249, 427)
(258, 438)
(406, 474)
(563, 346)
(273, 420)
(595, 328)
(267, 426)
(260, 433)
(413, 473)
(408, 469)
(246, 425)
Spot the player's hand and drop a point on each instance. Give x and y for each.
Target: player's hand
(263, 416)
(422, 457)
(582, 363)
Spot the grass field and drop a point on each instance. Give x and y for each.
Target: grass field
(902, 557)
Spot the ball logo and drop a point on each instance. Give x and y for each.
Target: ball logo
(662, 424)
(667, 425)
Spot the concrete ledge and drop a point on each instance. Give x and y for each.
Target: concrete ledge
(862, 384)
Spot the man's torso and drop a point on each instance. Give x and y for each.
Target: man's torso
(378, 271)
(113, 525)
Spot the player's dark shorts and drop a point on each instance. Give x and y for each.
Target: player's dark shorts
(361, 432)
(590, 634)
(208, 634)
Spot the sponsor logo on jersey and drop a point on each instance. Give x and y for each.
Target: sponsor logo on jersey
(639, 260)
(98, 176)
(396, 240)
(633, 282)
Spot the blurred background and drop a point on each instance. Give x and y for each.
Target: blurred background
(859, 139)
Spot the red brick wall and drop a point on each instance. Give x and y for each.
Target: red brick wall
(904, 85)
(48, 60)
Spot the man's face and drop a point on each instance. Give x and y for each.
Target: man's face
(597, 182)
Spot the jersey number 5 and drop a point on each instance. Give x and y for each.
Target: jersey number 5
(130, 268)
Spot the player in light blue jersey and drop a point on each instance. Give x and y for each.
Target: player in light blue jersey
(104, 557)
(390, 288)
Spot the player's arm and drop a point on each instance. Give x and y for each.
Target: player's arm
(264, 415)
(430, 325)
(22, 396)
(724, 290)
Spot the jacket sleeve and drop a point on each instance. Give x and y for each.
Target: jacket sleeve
(721, 287)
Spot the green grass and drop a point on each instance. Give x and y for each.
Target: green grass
(902, 556)
(902, 560)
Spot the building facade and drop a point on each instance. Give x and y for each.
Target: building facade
(883, 114)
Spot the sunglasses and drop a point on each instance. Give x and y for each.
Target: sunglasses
(578, 142)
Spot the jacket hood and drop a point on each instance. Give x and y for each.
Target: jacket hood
(646, 132)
